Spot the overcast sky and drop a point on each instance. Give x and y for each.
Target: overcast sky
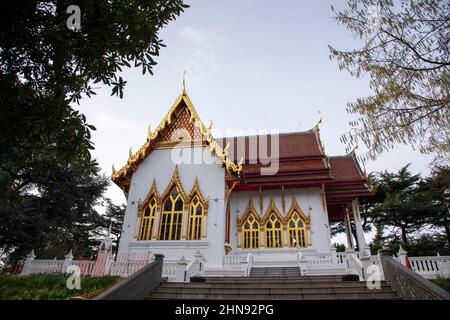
(250, 65)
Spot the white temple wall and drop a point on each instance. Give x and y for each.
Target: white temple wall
(306, 198)
(159, 165)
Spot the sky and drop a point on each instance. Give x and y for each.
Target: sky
(250, 65)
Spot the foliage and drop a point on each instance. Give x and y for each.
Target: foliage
(49, 286)
(113, 218)
(49, 185)
(444, 283)
(339, 247)
(56, 216)
(427, 245)
(38, 47)
(405, 207)
(405, 53)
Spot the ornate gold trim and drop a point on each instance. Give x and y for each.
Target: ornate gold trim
(272, 209)
(153, 137)
(152, 193)
(174, 181)
(250, 209)
(296, 208)
(306, 219)
(324, 199)
(196, 191)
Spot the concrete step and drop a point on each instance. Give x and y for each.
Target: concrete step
(277, 271)
(279, 296)
(257, 286)
(269, 291)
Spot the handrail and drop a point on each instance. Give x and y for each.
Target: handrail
(355, 265)
(138, 285)
(247, 265)
(407, 283)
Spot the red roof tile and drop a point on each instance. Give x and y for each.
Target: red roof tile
(290, 145)
(287, 166)
(344, 168)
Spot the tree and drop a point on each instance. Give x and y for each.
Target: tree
(407, 207)
(405, 53)
(56, 216)
(437, 187)
(45, 67)
(113, 218)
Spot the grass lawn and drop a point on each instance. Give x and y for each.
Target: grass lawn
(50, 287)
(443, 283)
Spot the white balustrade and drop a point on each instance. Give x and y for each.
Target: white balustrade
(45, 266)
(317, 258)
(431, 267)
(86, 266)
(169, 269)
(233, 260)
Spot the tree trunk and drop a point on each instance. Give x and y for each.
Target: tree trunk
(447, 230)
(404, 238)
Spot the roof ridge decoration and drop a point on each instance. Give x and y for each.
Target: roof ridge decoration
(272, 209)
(316, 130)
(353, 155)
(152, 136)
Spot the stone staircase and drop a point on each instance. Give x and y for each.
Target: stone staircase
(275, 272)
(265, 284)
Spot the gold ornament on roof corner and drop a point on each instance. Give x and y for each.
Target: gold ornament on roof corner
(225, 150)
(113, 169)
(130, 155)
(353, 151)
(320, 121)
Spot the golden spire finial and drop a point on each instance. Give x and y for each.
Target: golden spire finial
(184, 83)
(113, 169)
(130, 155)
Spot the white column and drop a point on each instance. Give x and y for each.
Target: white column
(359, 229)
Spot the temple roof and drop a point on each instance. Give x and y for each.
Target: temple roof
(182, 115)
(345, 168)
(293, 145)
(300, 162)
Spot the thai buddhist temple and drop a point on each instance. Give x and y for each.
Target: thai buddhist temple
(272, 196)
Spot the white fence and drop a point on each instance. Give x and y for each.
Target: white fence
(431, 267)
(123, 265)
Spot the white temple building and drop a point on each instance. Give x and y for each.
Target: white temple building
(268, 198)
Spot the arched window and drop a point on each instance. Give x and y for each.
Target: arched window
(296, 229)
(250, 231)
(196, 215)
(273, 232)
(147, 220)
(172, 216)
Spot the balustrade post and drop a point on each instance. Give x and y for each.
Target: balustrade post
(28, 262)
(402, 256)
(180, 275)
(333, 255)
(68, 258)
